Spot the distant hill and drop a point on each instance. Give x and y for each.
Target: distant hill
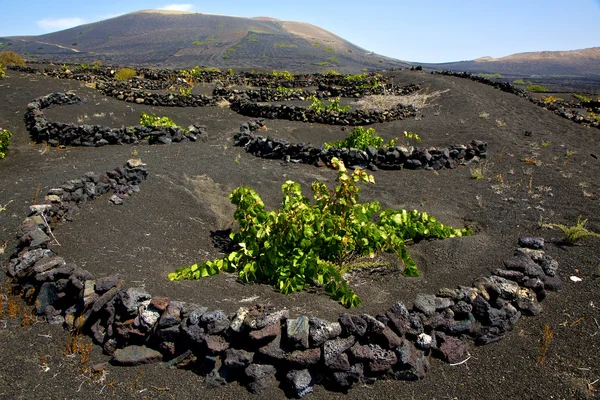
(181, 39)
(574, 63)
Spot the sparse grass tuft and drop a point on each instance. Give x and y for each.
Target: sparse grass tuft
(479, 171)
(536, 88)
(125, 74)
(490, 76)
(5, 136)
(484, 115)
(8, 58)
(574, 233)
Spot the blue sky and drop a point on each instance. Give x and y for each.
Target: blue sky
(425, 30)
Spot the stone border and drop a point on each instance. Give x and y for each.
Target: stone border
(60, 134)
(510, 88)
(258, 346)
(398, 157)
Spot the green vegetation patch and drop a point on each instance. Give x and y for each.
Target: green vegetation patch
(333, 107)
(490, 76)
(8, 58)
(537, 89)
(304, 244)
(522, 82)
(5, 136)
(151, 120)
(285, 45)
(334, 60)
(125, 74)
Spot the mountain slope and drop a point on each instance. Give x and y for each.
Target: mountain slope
(580, 63)
(179, 39)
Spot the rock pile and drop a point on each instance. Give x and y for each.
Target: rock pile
(398, 157)
(56, 133)
(258, 345)
(557, 109)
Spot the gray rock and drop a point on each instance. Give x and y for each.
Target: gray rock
(48, 263)
(298, 331)
(412, 363)
(116, 200)
(403, 321)
(237, 323)
(266, 334)
(527, 303)
(236, 358)
(549, 266)
(135, 355)
(321, 330)
(373, 325)
(507, 288)
(388, 338)
(106, 283)
(382, 359)
(441, 303)
(531, 242)
(215, 321)
(216, 344)
(353, 324)
(260, 376)
(333, 353)
(171, 316)
(47, 296)
(345, 380)
(133, 298)
(38, 238)
(300, 381)
(269, 319)
(361, 352)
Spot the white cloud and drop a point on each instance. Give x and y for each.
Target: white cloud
(58, 24)
(178, 7)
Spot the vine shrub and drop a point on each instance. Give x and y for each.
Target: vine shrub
(150, 120)
(2, 72)
(5, 136)
(333, 106)
(305, 244)
(360, 139)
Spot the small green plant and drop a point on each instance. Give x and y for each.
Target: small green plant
(360, 139)
(490, 76)
(125, 74)
(573, 233)
(286, 75)
(522, 82)
(328, 50)
(412, 136)
(546, 143)
(568, 156)
(479, 171)
(151, 120)
(551, 99)
(500, 123)
(304, 244)
(484, 115)
(8, 58)
(356, 78)
(287, 91)
(285, 45)
(231, 50)
(185, 91)
(332, 72)
(582, 98)
(594, 116)
(333, 106)
(322, 63)
(2, 72)
(334, 60)
(536, 88)
(5, 136)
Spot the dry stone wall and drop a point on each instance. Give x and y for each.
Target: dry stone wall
(57, 133)
(399, 157)
(260, 346)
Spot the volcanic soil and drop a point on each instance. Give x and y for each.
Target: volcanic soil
(550, 172)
